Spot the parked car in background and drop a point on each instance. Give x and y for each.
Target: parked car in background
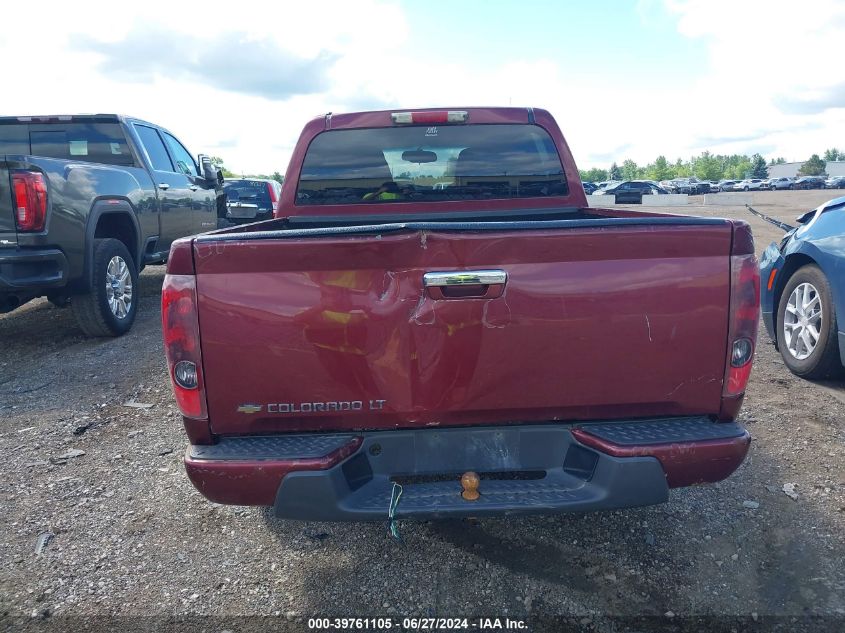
(359, 357)
(589, 187)
(251, 199)
(749, 184)
(809, 182)
(691, 186)
(726, 185)
(714, 186)
(604, 184)
(805, 292)
(835, 182)
(677, 185)
(698, 187)
(86, 202)
(632, 191)
(780, 183)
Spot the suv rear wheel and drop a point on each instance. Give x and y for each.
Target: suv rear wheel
(110, 308)
(807, 333)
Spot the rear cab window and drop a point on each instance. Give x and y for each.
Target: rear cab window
(83, 141)
(14, 138)
(435, 163)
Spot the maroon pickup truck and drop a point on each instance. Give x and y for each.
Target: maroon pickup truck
(435, 298)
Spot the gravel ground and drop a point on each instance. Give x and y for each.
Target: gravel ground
(99, 518)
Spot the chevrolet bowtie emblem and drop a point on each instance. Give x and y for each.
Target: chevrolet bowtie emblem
(249, 408)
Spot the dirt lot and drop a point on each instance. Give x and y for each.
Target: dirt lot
(131, 536)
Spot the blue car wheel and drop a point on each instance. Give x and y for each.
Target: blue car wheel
(806, 325)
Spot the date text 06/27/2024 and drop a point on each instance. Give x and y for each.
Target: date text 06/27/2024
(416, 624)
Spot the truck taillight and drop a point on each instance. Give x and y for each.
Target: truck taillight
(30, 191)
(429, 116)
(180, 328)
(744, 318)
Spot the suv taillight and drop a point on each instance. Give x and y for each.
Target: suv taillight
(180, 328)
(274, 199)
(30, 191)
(744, 318)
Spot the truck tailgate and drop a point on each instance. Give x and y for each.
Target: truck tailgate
(338, 332)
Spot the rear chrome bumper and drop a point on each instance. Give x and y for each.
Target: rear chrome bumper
(526, 469)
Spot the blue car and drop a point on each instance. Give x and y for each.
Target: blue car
(803, 289)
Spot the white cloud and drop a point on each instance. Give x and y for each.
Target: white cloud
(770, 84)
(773, 71)
(252, 73)
(241, 81)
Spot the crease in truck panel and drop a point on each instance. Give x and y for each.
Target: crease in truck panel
(206, 251)
(694, 380)
(420, 307)
(389, 281)
(496, 321)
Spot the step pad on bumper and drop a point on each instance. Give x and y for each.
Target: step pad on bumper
(664, 431)
(271, 447)
(495, 494)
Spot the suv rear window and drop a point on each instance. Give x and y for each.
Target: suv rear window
(88, 142)
(416, 163)
(248, 191)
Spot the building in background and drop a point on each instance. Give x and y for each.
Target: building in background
(835, 168)
(790, 170)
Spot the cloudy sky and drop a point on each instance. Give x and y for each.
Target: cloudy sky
(624, 79)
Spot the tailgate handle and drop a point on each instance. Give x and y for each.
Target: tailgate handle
(466, 284)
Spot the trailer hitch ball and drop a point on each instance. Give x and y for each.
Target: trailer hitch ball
(469, 483)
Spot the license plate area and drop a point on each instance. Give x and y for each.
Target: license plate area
(242, 211)
(448, 451)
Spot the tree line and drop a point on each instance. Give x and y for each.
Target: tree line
(707, 166)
